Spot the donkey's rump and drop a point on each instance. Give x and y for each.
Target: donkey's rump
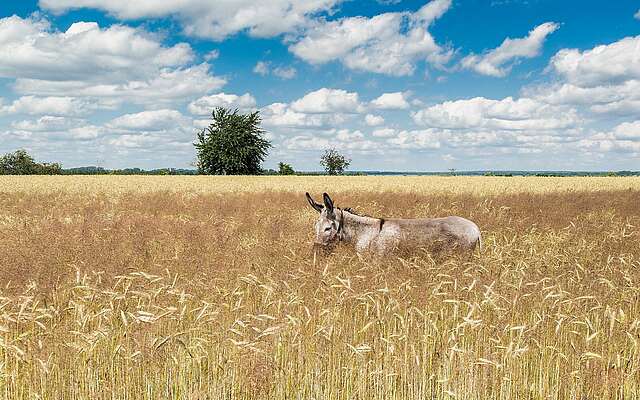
(437, 233)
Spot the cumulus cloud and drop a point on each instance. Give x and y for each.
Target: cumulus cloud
(637, 15)
(264, 68)
(328, 101)
(87, 60)
(156, 120)
(605, 80)
(416, 139)
(261, 68)
(523, 114)
(206, 104)
(285, 72)
(56, 105)
(210, 19)
(628, 130)
(623, 138)
(384, 132)
(48, 123)
(606, 64)
(212, 55)
(166, 86)
(389, 43)
(345, 139)
(282, 115)
(499, 61)
(84, 51)
(391, 101)
(373, 120)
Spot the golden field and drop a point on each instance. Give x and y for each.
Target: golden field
(207, 288)
(115, 185)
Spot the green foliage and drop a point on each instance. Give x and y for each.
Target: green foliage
(333, 162)
(232, 145)
(285, 169)
(21, 163)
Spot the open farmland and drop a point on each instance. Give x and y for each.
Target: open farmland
(207, 288)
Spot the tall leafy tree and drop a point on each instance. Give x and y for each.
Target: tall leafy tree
(333, 162)
(285, 169)
(21, 163)
(233, 144)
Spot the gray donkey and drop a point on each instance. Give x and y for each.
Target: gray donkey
(382, 236)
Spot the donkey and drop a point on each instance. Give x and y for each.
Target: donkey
(382, 236)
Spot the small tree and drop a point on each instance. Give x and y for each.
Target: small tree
(232, 145)
(21, 163)
(285, 169)
(333, 162)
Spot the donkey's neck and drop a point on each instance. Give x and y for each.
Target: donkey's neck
(356, 225)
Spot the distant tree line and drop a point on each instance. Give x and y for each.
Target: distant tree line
(235, 144)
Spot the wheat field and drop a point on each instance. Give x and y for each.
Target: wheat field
(208, 288)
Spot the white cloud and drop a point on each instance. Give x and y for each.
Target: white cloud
(425, 139)
(498, 62)
(606, 64)
(206, 104)
(391, 101)
(85, 51)
(281, 115)
(604, 80)
(628, 130)
(48, 123)
(212, 55)
(59, 106)
(389, 43)
(637, 15)
(373, 120)
(261, 68)
(166, 86)
(523, 114)
(285, 72)
(210, 19)
(157, 120)
(623, 138)
(384, 132)
(328, 101)
(264, 68)
(345, 139)
(87, 60)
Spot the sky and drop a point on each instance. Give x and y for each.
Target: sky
(394, 85)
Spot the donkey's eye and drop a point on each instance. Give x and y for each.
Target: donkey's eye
(327, 229)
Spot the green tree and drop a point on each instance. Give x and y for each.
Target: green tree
(232, 145)
(21, 163)
(285, 169)
(333, 162)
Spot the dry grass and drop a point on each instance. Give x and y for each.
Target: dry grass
(157, 295)
(116, 185)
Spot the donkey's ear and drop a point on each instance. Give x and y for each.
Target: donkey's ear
(312, 202)
(328, 202)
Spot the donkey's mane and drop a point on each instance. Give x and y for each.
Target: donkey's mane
(351, 211)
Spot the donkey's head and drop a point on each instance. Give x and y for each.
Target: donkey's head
(329, 224)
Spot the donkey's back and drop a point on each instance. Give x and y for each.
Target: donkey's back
(446, 232)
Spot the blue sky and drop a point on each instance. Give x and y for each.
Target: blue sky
(396, 85)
